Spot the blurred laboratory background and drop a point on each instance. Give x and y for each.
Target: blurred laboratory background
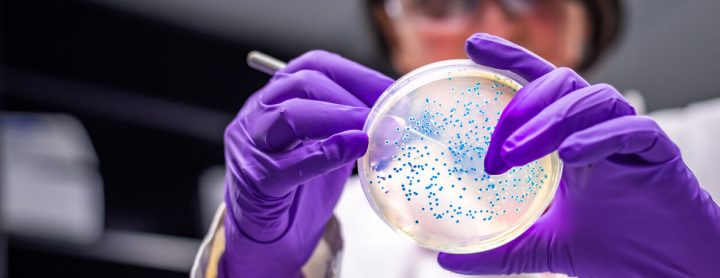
(113, 112)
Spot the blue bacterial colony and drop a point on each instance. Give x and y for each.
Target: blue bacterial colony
(424, 170)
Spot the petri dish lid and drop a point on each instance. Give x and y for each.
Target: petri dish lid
(423, 172)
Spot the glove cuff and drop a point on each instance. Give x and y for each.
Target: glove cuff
(259, 217)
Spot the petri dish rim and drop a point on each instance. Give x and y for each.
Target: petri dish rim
(406, 80)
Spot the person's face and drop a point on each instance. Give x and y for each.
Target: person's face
(424, 31)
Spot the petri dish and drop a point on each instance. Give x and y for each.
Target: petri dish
(423, 172)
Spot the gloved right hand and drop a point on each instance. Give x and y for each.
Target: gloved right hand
(288, 154)
(627, 205)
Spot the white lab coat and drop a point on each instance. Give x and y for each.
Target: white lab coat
(371, 249)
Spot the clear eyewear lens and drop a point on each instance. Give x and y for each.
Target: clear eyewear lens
(442, 9)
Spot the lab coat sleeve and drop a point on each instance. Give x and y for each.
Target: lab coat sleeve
(696, 131)
(324, 262)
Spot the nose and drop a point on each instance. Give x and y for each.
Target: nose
(495, 19)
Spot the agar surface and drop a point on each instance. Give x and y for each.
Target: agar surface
(426, 163)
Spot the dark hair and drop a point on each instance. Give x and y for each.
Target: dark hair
(605, 19)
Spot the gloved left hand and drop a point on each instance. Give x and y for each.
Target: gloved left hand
(288, 155)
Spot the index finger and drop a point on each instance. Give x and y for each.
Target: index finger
(496, 52)
(366, 84)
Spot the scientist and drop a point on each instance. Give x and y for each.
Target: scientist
(627, 206)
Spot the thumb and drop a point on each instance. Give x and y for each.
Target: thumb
(496, 52)
(535, 251)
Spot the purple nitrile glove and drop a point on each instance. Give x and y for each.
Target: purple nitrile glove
(288, 154)
(627, 205)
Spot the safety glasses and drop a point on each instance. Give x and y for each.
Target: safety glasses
(447, 9)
